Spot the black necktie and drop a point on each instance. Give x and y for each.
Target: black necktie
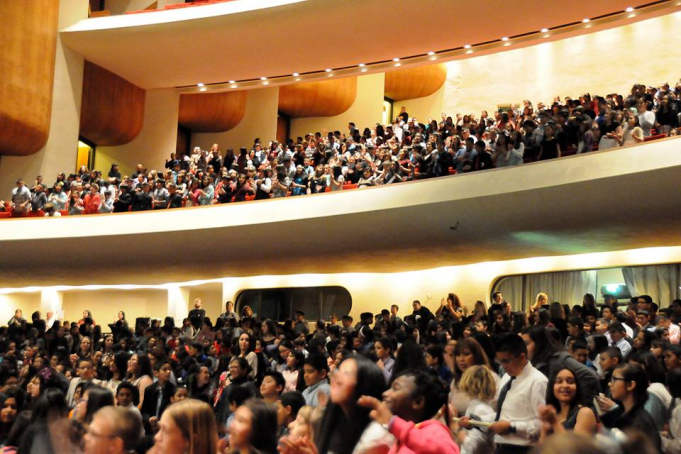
(502, 397)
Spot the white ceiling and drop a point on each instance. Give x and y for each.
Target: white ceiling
(608, 201)
(231, 41)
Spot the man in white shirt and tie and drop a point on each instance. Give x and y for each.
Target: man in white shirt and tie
(521, 391)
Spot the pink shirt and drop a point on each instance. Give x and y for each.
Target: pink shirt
(427, 437)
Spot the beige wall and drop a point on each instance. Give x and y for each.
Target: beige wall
(260, 120)
(105, 304)
(422, 108)
(59, 153)
(370, 291)
(600, 63)
(27, 302)
(367, 110)
(154, 143)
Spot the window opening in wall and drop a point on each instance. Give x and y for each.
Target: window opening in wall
(661, 282)
(86, 154)
(318, 303)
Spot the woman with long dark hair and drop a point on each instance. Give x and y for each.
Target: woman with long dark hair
(140, 373)
(467, 353)
(562, 410)
(346, 426)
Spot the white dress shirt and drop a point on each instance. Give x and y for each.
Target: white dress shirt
(527, 393)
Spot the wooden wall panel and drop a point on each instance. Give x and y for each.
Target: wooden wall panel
(318, 99)
(212, 112)
(28, 45)
(414, 82)
(112, 110)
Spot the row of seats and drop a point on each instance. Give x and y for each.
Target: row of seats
(180, 5)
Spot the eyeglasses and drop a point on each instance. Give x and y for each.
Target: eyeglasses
(614, 379)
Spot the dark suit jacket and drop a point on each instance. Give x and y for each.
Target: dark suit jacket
(149, 406)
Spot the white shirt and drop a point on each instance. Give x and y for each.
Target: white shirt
(527, 393)
(674, 333)
(624, 347)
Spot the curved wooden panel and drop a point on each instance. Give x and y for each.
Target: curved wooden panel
(112, 111)
(318, 99)
(28, 45)
(414, 82)
(212, 112)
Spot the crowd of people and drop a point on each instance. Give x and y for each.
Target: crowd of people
(599, 379)
(404, 150)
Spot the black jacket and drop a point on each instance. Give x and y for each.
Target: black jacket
(150, 406)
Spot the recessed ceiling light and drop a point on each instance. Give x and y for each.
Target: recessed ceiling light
(398, 64)
(202, 89)
(364, 70)
(328, 70)
(200, 84)
(467, 46)
(233, 85)
(232, 81)
(630, 9)
(295, 74)
(265, 83)
(505, 38)
(586, 20)
(433, 58)
(431, 53)
(544, 30)
(297, 78)
(263, 78)
(469, 52)
(361, 65)
(631, 15)
(330, 75)
(507, 44)
(396, 59)
(546, 36)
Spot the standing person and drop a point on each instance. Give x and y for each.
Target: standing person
(157, 396)
(422, 315)
(142, 200)
(21, 198)
(229, 312)
(197, 314)
(408, 410)
(93, 200)
(301, 326)
(521, 391)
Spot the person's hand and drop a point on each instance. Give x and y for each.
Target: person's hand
(547, 413)
(500, 427)
(379, 410)
(301, 446)
(465, 422)
(323, 399)
(380, 364)
(604, 403)
(153, 422)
